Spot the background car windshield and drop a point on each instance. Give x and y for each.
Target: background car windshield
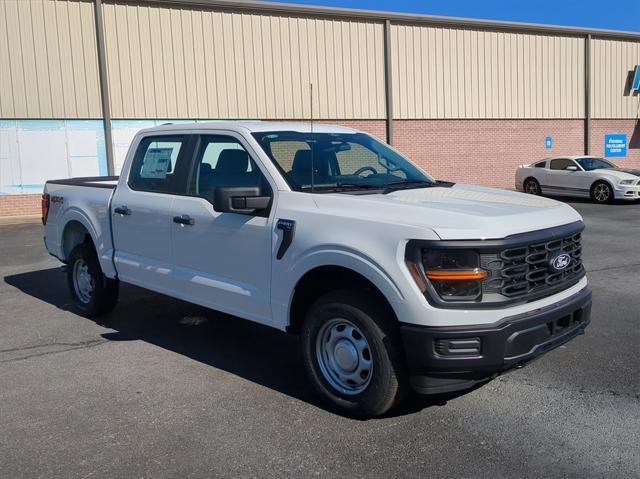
(337, 160)
(590, 164)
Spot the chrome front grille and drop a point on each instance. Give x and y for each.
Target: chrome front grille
(525, 270)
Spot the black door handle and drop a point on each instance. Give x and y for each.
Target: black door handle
(184, 220)
(122, 210)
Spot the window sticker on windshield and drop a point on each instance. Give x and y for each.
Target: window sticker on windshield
(156, 163)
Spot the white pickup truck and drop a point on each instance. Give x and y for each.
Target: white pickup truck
(393, 280)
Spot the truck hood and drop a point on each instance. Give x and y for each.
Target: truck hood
(458, 212)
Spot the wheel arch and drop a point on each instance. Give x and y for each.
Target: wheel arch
(601, 179)
(324, 279)
(73, 234)
(530, 177)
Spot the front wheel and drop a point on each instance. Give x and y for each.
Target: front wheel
(353, 353)
(601, 192)
(92, 293)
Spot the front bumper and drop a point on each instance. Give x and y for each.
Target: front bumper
(626, 192)
(444, 359)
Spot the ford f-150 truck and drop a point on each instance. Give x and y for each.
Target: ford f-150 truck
(393, 280)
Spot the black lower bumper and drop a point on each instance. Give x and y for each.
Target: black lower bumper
(444, 359)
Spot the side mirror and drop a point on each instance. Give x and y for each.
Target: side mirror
(571, 168)
(240, 199)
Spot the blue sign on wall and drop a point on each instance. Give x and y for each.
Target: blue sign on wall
(615, 145)
(635, 85)
(548, 142)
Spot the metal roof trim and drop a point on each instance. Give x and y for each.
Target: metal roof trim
(395, 17)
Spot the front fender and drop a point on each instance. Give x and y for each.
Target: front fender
(329, 255)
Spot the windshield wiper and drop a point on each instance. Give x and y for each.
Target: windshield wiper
(362, 186)
(406, 184)
(341, 186)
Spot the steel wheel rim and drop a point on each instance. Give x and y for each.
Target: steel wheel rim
(601, 193)
(531, 188)
(344, 356)
(82, 281)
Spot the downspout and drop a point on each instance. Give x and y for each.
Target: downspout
(104, 87)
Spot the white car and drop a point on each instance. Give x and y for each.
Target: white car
(581, 176)
(391, 279)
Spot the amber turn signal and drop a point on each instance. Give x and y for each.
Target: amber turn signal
(456, 275)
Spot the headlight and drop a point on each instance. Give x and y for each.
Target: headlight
(627, 182)
(454, 275)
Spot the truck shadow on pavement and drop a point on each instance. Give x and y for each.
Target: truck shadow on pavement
(254, 352)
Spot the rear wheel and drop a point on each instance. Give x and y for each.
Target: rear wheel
(353, 353)
(92, 293)
(601, 192)
(532, 186)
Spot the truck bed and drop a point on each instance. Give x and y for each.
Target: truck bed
(81, 201)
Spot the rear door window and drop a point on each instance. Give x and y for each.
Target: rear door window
(155, 166)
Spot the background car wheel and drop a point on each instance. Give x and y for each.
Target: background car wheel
(353, 353)
(532, 186)
(92, 293)
(601, 192)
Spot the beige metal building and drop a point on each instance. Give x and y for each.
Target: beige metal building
(469, 100)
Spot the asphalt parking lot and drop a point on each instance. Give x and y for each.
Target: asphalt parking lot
(161, 388)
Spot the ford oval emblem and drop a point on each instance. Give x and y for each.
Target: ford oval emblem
(560, 262)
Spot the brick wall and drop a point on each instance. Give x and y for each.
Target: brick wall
(377, 128)
(485, 152)
(631, 127)
(11, 205)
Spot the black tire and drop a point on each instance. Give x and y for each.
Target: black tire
(388, 382)
(601, 192)
(104, 291)
(532, 186)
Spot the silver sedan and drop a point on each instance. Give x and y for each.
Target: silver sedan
(580, 176)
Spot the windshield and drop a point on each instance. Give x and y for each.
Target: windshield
(339, 161)
(590, 164)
